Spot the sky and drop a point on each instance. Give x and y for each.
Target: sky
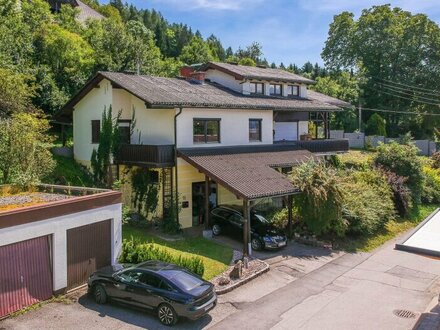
(290, 31)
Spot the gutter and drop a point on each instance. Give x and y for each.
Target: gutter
(175, 162)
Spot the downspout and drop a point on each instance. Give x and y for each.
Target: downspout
(175, 163)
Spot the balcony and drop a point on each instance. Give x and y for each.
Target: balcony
(146, 155)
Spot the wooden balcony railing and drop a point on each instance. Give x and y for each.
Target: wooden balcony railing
(147, 155)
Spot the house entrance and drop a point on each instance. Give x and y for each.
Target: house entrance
(198, 201)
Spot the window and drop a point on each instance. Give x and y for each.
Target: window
(124, 127)
(130, 276)
(206, 131)
(275, 89)
(96, 130)
(292, 90)
(151, 280)
(254, 129)
(257, 88)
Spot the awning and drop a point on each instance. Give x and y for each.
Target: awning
(249, 175)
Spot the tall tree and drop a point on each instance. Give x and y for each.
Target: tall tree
(197, 51)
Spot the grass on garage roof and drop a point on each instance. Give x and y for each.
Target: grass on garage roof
(216, 257)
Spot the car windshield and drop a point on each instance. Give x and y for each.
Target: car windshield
(182, 279)
(258, 220)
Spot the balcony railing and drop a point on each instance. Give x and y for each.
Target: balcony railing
(318, 146)
(147, 155)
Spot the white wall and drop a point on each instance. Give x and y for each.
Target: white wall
(303, 128)
(234, 126)
(57, 227)
(224, 79)
(89, 108)
(153, 126)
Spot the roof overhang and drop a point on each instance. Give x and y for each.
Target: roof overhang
(249, 173)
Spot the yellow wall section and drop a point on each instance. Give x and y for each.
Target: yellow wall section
(187, 175)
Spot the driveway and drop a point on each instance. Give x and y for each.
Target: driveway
(307, 288)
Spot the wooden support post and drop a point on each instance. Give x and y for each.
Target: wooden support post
(246, 229)
(207, 193)
(290, 215)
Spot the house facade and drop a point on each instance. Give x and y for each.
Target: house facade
(219, 134)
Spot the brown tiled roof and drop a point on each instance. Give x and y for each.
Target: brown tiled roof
(160, 92)
(249, 175)
(327, 99)
(243, 72)
(86, 12)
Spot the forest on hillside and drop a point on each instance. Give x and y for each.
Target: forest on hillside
(387, 60)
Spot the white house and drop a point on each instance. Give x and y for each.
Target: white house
(220, 130)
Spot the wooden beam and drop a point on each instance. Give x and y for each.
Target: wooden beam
(290, 215)
(207, 193)
(246, 229)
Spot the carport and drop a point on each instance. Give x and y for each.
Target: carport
(425, 238)
(251, 173)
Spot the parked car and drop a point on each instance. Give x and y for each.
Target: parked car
(169, 290)
(228, 219)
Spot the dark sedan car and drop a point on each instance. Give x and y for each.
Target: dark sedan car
(170, 290)
(228, 219)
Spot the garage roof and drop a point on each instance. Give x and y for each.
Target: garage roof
(425, 238)
(248, 174)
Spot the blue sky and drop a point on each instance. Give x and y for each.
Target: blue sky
(290, 31)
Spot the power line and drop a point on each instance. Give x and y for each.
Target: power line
(405, 98)
(402, 112)
(424, 98)
(407, 85)
(407, 90)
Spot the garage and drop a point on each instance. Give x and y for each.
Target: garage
(88, 249)
(27, 279)
(286, 131)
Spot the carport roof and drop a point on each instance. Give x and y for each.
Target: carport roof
(248, 174)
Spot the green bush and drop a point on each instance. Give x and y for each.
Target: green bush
(135, 252)
(436, 160)
(367, 201)
(403, 160)
(376, 125)
(431, 188)
(320, 202)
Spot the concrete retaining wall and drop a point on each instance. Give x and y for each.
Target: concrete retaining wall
(359, 140)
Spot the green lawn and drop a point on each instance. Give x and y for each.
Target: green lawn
(216, 258)
(391, 230)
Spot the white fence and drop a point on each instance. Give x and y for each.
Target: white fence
(359, 140)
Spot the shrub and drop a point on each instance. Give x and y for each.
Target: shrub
(436, 159)
(135, 252)
(367, 202)
(431, 188)
(320, 202)
(279, 218)
(403, 160)
(376, 125)
(401, 193)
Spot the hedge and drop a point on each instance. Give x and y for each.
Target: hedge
(135, 252)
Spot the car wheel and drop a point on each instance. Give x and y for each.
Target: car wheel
(167, 315)
(216, 230)
(256, 244)
(99, 294)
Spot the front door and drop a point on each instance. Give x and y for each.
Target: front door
(198, 201)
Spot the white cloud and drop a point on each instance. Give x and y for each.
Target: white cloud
(211, 4)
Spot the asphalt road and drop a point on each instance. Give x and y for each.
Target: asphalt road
(307, 288)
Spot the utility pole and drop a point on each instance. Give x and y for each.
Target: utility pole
(360, 116)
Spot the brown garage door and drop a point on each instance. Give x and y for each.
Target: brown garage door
(88, 249)
(25, 274)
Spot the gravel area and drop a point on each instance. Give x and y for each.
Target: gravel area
(29, 199)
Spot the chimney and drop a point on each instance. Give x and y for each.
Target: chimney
(185, 71)
(197, 77)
